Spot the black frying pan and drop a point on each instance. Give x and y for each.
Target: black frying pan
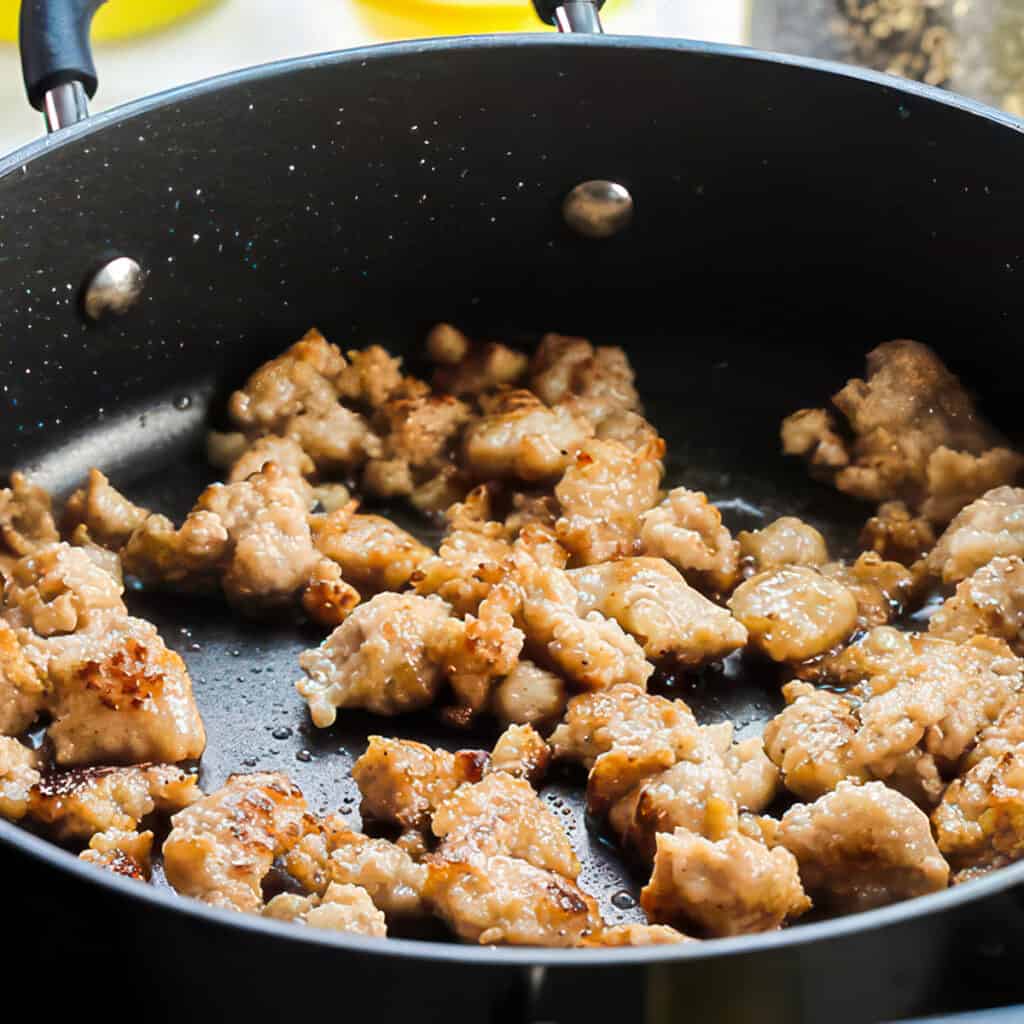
(789, 216)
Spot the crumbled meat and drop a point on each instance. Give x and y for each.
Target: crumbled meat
(372, 377)
(125, 853)
(26, 519)
(221, 847)
(503, 900)
(916, 436)
(794, 613)
(811, 741)
(587, 648)
(636, 935)
(342, 908)
(862, 846)
(115, 692)
(19, 773)
(402, 782)
(991, 527)
(980, 821)
(521, 752)
(286, 453)
(468, 368)
(384, 657)
(881, 589)
(79, 803)
(653, 603)
(629, 429)
(990, 602)
(687, 530)
(603, 495)
(755, 777)
(23, 691)
(466, 566)
(897, 535)
(519, 437)
(107, 514)
(786, 541)
(732, 886)
(332, 853)
(327, 599)
(503, 816)
(373, 552)
(529, 695)
(594, 382)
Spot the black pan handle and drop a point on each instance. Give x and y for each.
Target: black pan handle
(571, 15)
(56, 58)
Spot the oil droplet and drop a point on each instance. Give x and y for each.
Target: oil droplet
(183, 402)
(195, 647)
(304, 755)
(281, 732)
(623, 900)
(250, 762)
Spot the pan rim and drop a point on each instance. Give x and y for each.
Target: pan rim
(498, 956)
(22, 156)
(64, 861)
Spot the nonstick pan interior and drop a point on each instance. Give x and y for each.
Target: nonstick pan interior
(720, 422)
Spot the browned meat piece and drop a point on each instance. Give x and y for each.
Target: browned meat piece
(881, 589)
(419, 435)
(121, 696)
(469, 368)
(521, 752)
(755, 778)
(79, 803)
(812, 434)
(732, 886)
(116, 693)
(506, 901)
(897, 535)
(687, 530)
(402, 782)
(980, 822)
(603, 495)
(26, 519)
(653, 603)
(916, 436)
(373, 552)
(811, 741)
(636, 935)
(863, 846)
(123, 852)
(465, 568)
(794, 613)
(990, 602)
(286, 453)
(629, 429)
(1006, 733)
(503, 816)
(594, 382)
(296, 396)
(327, 599)
(334, 854)
(786, 541)
(991, 527)
(483, 648)
(588, 649)
(519, 437)
(107, 514)
(23, 693)
(19, 773)
(372, 377)
(529, 695)
(342, 908)
(385, 657)
(221, 847)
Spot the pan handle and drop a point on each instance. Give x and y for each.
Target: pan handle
(56, 58)
(571, 15)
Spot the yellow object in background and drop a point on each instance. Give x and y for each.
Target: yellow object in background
(118, 19)
(398, 19)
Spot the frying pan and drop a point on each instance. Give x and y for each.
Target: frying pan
(789, 215)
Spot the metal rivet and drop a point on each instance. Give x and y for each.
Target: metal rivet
(114, 288)
(598, 209)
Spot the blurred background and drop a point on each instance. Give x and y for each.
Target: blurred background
(142, 46)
